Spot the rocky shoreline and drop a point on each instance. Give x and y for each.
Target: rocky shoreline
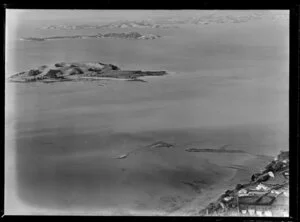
(60, 72)
(266, 194)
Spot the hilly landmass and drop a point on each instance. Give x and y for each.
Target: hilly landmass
(80, 71)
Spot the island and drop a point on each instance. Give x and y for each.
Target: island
(175, 22)
(138, 24)
(128, 35)
(76, 71)
(119, 24)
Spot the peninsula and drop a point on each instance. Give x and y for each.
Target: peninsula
(59, 72)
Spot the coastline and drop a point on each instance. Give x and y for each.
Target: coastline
(271, 182)
(212, 193)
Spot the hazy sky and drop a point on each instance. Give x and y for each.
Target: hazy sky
(101, 14)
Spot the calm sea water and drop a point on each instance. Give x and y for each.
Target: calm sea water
(228, 85)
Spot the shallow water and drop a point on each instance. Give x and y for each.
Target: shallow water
(228, 85)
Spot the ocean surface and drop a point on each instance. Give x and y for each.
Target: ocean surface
(228, 85)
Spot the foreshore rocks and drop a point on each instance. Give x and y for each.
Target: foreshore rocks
(156, 145)
(80, 71)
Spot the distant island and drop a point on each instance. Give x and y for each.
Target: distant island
(119, 24)
(128, 35)
(138, 24)
(163, 23)
(173, 22)
(80, 71)
(215, 19)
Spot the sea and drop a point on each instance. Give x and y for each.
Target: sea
(227, 84)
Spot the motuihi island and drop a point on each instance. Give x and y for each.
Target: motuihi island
(62, 71)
